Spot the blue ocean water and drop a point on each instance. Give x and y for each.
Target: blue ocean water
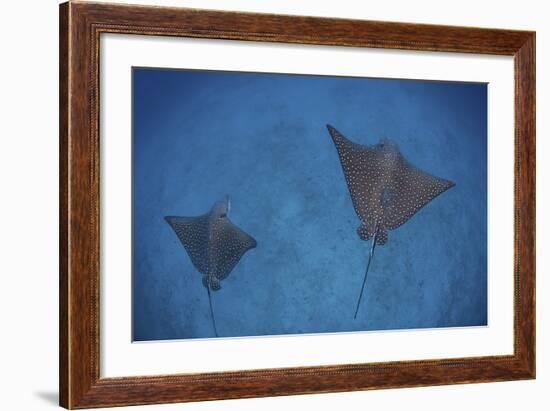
(262, 140)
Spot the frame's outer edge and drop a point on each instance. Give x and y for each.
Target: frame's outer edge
(79, 190)
(525, 67)
(173, 21)
(79, 381)
(63, 205)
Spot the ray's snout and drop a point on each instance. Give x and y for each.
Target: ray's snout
(221, 207)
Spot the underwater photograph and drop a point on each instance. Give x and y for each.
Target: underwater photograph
(272, 204)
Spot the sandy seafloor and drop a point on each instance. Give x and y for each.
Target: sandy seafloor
(262, 140)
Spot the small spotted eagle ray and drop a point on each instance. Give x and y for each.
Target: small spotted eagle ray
(386, 190)
(214, 244)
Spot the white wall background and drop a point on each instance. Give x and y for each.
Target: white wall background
(28, 205)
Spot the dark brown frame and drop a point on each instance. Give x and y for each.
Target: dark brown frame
(81, 24)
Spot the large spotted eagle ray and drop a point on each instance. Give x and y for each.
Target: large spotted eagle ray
(386, 190)
(214, 244)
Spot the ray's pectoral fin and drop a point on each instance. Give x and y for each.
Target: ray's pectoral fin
(416, 188)
(238, 243)
(193, 235)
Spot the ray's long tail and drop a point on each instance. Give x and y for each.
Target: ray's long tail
(366, 273)
(212, 311)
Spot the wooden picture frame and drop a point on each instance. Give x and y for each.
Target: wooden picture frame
(81, 24)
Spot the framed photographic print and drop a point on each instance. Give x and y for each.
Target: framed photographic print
(258, 205)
